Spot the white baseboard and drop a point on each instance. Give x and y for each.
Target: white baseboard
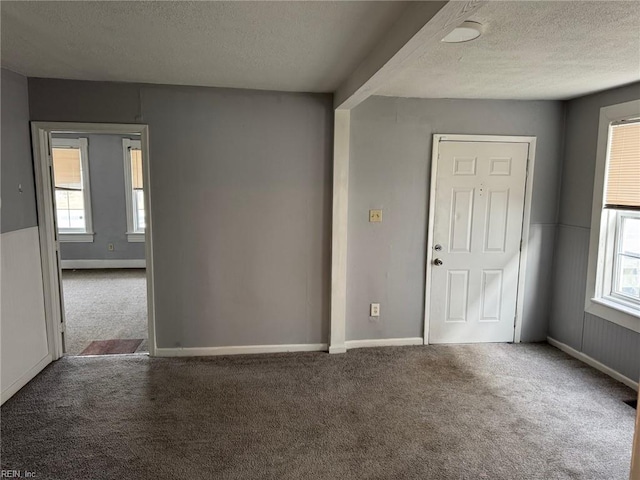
(337, 349)
(80, 264)
(384, 342)
(12, 389)
(592, 362)
(239, 350)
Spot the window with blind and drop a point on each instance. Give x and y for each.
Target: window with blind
(622, 189)
(613, 274)
(622, 198)
(134, 185)
(71, 184)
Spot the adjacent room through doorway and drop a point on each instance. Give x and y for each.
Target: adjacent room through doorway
(100, 219)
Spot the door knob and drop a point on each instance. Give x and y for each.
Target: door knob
(437, 262)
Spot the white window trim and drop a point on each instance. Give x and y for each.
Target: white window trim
(75, 237)
(132, 235)
(601, 244)
(83, 145)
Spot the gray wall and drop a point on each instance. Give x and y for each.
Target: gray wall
(108, 204)
(18, 207)
(23, 330)
(241, 196)
(389, 169)
(615, 346)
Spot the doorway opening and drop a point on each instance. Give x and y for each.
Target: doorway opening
(94, 212)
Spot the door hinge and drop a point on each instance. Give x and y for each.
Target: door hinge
(61, 327)
(520, 244)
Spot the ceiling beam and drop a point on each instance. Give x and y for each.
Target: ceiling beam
(421, 26)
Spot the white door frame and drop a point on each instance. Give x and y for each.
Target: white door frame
(526, 218)
(49, 243)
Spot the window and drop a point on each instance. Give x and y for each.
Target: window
(70, 161)
(626, 264)
(134, 185)
(613, 282)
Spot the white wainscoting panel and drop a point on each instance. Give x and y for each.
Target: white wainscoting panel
(25, 351)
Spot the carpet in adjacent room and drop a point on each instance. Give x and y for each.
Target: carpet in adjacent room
(104, 304)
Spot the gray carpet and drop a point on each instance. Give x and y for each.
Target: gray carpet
(437, 412)
(104, 304)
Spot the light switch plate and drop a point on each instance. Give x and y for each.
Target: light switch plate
(375, 216)
(375, 310)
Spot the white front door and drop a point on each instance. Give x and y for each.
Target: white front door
(479, 204)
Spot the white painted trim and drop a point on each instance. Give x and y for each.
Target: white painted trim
(420, 27)
(431, 220)
(341, 138)
(49, 242)
(83, 145)
(135, 237)
(132, 234)
(49, 248)
(384, 342)
(110, 263)
(11, 390)
(599, 244)
(592, 362)
(449, 137)
(239, 350)
(342, 349)
(76, 237)
(526, 217)
(128, 194)
(524, 246)
(151, 309)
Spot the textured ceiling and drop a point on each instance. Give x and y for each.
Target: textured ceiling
(532, 50)
(290, 46)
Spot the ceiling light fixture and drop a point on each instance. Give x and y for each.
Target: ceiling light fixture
(465, 32)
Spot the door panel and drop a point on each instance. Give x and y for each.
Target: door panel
(495, 229)
(461, 217)
(479, 204)
(457, 295)
(491, 296)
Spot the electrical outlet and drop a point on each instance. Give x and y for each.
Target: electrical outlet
(375, 310)
(110, 247)
(375, 216)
